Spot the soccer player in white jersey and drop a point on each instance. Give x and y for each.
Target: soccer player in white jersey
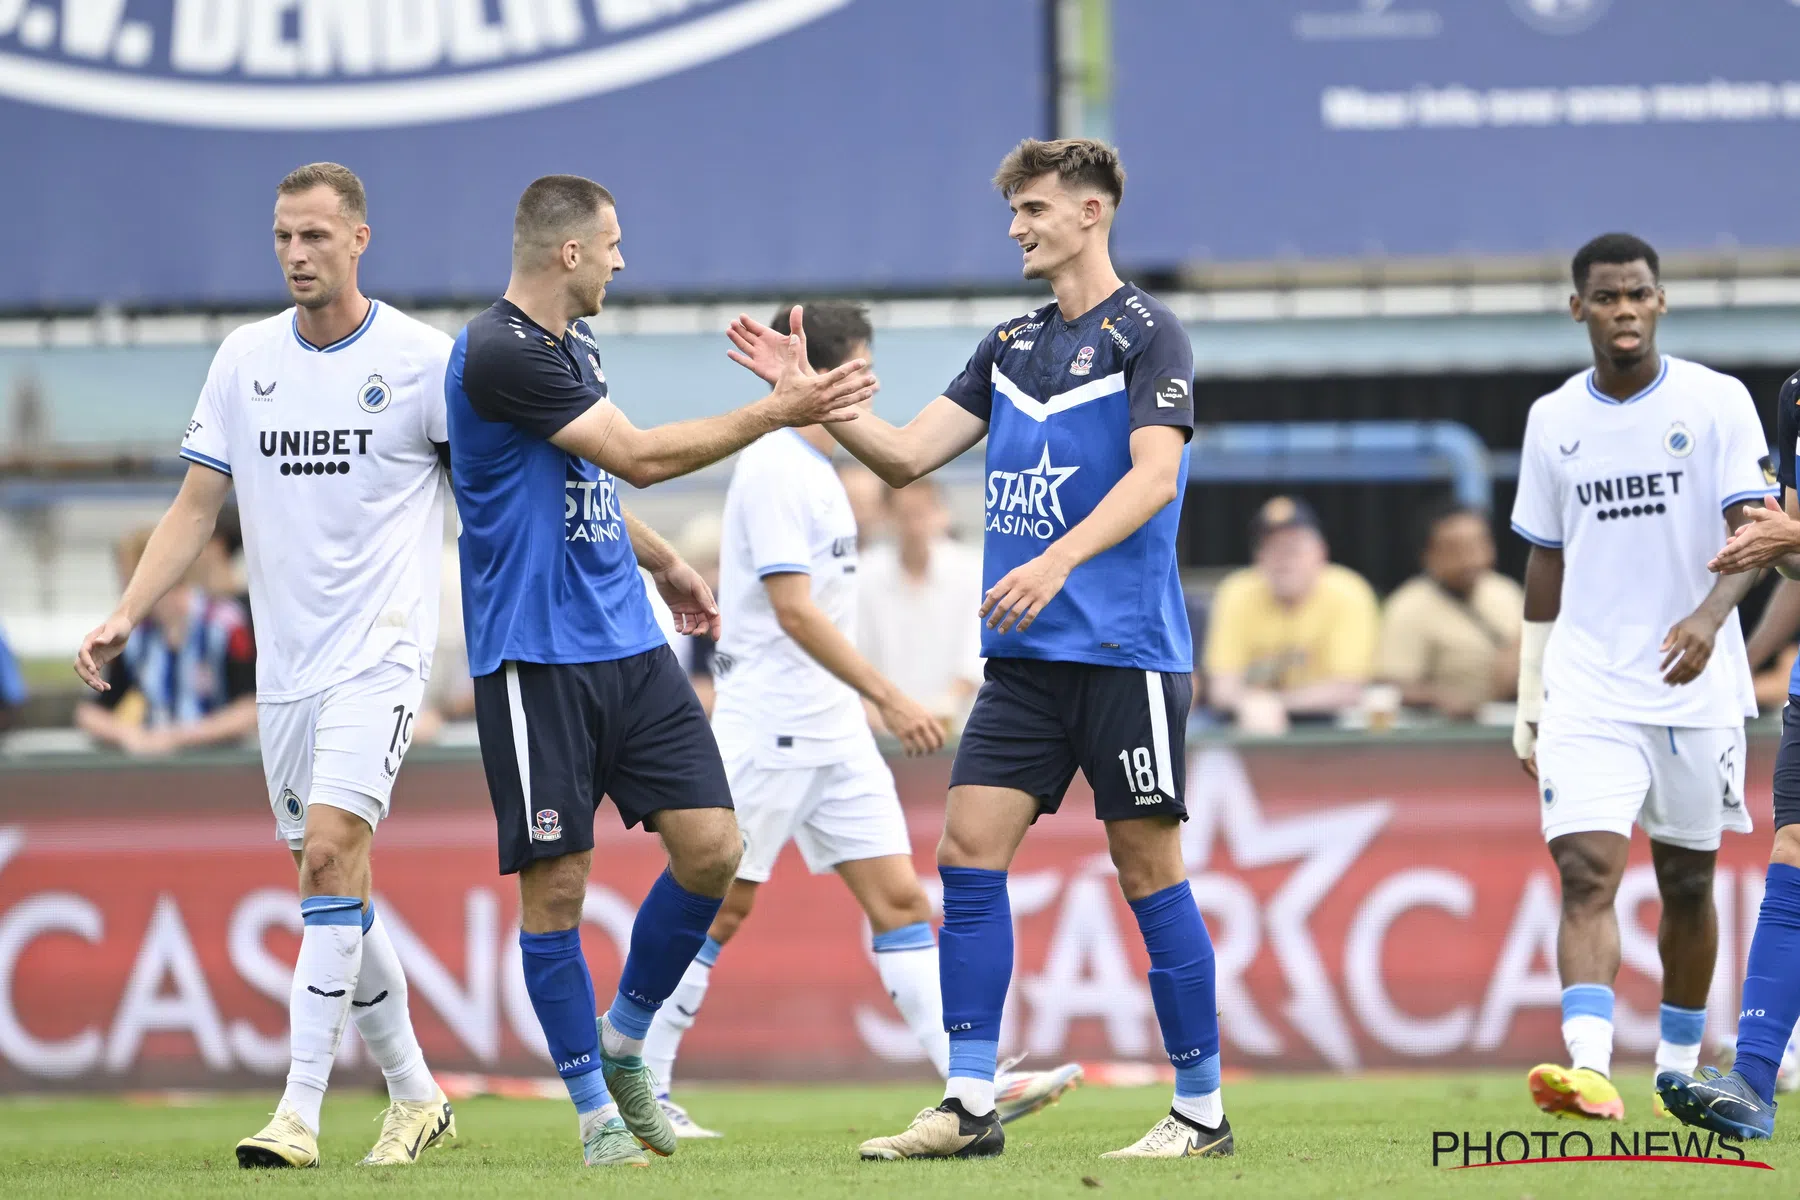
(329, 420)
(802, 763)
(1633, 682)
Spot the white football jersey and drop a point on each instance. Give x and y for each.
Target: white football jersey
(334, 456)
(1634, 494)
(785, 511)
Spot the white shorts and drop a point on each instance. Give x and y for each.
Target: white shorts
(837, 813)
(341, 747)
(1684, 786)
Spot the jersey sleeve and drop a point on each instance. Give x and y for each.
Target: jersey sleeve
(776, 523)
(1537, 509)
(1746, 471)
(973, 388)
(525, 382)
(1787, 431)
(206, 441)
(1159, 380)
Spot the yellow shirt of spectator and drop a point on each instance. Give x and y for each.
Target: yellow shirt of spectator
(1329, 635)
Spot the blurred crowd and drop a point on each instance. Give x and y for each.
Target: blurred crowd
(1290, 639)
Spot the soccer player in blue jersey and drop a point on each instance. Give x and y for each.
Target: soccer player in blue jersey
(1741, 1103)
(577, 694)
(1087, 407)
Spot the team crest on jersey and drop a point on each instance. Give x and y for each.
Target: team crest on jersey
(1679, 441)
(599, 375)
(1549, 793)
(291, 803)
(374, 395)
(1084, 361)
(546, 825)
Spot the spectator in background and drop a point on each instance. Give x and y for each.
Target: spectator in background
(1292, 636)
(187, 677)
(12, 687)
(219, 569)
(920, 596)
(868, 503)
(1450, 636)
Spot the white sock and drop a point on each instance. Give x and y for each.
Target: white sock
(616, 1044)
(383, 1020)
(1671, 1057)
(1206, 1111)
(1590, 1043)
(976, 1095)
(911, 980)
(673, 1019)
(590, 1121)
(318, 1006)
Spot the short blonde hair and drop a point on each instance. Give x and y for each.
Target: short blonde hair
(1078, 162)
(341, 179)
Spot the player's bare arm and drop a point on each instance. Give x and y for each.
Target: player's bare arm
(801, 618)
(1766, 537)
(897, 454)
(177, 542)
(1543, 603)
(1150, 485)
(642, 457)
(1688, 646)
(690, 601)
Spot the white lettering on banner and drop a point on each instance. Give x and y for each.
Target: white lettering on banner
(167, 954)
(495, 65)
(1086, 974)
(269, 977)
(1326, 841)
(1387, 1023)
(1633, 1030)
(24, 923)
(470, 1010)
(1514, 985)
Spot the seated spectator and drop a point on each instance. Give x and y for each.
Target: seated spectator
(12, 687)
(1292, 636)
(187, 676)
(920, 597)
(1450, 636)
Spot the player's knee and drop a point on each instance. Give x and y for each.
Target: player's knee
(899, 907)
(707, 866)
(552, 892)
(1688, 890)
(330, 866)
(1585, 887)
(965, 848)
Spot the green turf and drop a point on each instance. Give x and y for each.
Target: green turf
(1297, 1136)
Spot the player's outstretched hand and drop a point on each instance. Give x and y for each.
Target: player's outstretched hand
(100, 647)
(804, 397)
(759, 349)
(1022, 593)
(1687, 649)
(918, 730)
(689, 600)
(1769, 534)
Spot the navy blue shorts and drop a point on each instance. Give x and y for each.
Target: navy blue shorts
(1787, 766)
(1035, 723)
(631, 729)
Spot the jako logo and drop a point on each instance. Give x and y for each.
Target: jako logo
(327, 64)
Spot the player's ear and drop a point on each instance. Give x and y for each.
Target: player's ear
(1662, 300)
(359, 238)
(1575, 306)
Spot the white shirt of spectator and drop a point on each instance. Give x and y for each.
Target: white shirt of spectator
(924, 634)
(785, 511)
(1634, 494)
(340, 490)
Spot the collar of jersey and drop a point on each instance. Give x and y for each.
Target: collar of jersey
(808, 446)
(341, 342)
(1601, 396)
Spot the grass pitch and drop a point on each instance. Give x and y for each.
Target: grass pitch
(1296, 1136)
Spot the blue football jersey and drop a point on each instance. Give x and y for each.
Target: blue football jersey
(1061, 399)
(1787, 448)
(548, 572)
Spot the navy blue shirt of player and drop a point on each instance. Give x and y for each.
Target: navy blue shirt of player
(1787, 447)
(1061, 399)
(548, 572)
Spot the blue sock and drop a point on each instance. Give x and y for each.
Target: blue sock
(1682, 1026)
(709, 953)
(669, 931)
(1182, 986)
(1771, 998)
(1587, 1000)
(562, 994)
(368, 917)
(975, 957)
